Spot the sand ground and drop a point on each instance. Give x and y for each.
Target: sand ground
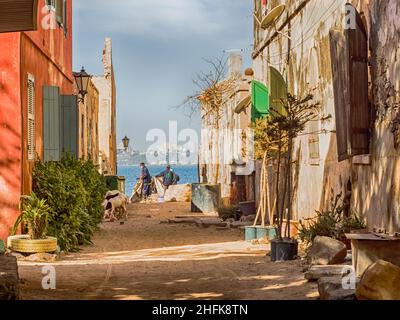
(148, 259)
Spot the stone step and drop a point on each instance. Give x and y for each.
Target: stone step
(331, 288)
(314, 273)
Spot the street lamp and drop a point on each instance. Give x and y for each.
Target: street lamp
(126, 141)
(82, 82)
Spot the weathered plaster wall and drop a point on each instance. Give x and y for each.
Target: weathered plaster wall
(304, 61)
(307, 67)
(107, 112)
(377, 187)
(88, 145)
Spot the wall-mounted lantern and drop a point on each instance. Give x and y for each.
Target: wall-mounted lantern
(82, 82)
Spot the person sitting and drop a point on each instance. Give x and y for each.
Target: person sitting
(169, 178)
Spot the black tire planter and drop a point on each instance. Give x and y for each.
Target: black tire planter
(284, 250)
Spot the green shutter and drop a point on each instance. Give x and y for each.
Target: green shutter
(69, 125)
(278, 91)
(51, 123)
(260, 100)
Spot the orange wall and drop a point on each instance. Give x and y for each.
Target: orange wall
(47, 55)
(10, 131)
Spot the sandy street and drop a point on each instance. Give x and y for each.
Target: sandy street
(148, 259)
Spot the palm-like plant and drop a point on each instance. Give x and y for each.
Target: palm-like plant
(34, 214)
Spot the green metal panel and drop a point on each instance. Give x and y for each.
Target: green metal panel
(260, 100)
(51, 123)
(278, 92)
(69, 125)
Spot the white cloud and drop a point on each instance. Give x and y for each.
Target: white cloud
(161, 18)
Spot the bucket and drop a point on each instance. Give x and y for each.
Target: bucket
(250, 233)
(272, 233)
(262, 232)
(283, 250)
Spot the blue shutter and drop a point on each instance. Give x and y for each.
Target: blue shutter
(51, 123)
(69, 125)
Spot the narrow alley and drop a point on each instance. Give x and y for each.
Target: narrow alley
(148, 259)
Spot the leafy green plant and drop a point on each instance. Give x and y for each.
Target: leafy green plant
(330, 223)
(35, 214)
(74, 191)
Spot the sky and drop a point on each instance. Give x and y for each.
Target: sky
(158, 48)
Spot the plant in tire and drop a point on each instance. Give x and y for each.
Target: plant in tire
(34, 216)
(74, 191)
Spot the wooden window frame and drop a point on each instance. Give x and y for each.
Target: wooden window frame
(349, 58)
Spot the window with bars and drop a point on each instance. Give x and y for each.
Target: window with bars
(31, 118)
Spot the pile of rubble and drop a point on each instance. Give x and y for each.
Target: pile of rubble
(329, 263)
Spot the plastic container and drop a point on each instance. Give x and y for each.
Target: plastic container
(284, 250)
(250, 233)
(262, 232)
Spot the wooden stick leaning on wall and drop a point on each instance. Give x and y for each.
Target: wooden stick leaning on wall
(264, 207)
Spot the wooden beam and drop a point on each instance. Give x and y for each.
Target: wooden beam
(18, 15)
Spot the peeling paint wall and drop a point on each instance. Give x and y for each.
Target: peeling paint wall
(377, 186)
(304, 60)
(301, 54)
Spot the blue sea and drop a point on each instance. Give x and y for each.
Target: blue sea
(187, 174)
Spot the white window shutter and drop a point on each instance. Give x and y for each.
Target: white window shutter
(31, 118)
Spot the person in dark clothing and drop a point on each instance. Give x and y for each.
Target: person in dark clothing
(169, 178)
(145, 177)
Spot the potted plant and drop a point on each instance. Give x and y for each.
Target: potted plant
(283, 127)
(332, 223)
(34, 218)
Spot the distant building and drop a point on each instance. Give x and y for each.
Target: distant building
(107, 113)
(224, 152)
(36, 83)
(88, 123)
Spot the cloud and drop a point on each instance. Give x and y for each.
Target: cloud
(162, 18)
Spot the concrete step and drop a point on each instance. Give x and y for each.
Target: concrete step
(314, 273)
